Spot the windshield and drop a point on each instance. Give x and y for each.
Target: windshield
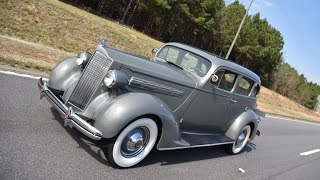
(185, 59)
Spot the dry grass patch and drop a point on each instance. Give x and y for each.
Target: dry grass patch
(53, 23)
(19, 53)
(275, 103)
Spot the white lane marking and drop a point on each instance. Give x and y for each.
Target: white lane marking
(310, 152)
(22, 75)
(241, 170)
(300, 121)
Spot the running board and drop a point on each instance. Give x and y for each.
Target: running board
(198, 140)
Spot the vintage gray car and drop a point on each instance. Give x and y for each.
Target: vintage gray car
(184, 97)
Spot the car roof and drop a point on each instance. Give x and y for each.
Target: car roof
(217, 61)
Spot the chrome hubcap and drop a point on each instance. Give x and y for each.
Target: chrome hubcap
(241, 138)
(135, 141)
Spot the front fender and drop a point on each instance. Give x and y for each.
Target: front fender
(112, 117)
(244, 119)
(64, 74)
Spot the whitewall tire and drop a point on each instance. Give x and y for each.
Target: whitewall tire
(133, 144)
(241, 141)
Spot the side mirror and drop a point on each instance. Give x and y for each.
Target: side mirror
(214, 78)
(155, 50)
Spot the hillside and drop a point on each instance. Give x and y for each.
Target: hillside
(53, 30)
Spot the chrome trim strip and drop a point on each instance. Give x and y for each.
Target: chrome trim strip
(83, 126)
(194, 133)
(151, 86)
(202, 145)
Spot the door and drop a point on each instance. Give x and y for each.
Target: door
(208, 111)
(243, 98)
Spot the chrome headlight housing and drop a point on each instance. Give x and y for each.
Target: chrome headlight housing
(110, 79)
(115, 78)
(83, 58)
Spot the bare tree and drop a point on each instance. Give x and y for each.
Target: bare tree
(134, 8)
(101, 4)
(126, 11)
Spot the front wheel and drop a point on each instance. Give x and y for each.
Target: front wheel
(133, 144)
(241, 141)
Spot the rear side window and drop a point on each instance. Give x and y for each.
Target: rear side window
(255, 91)
(245, 86)
(226, 80)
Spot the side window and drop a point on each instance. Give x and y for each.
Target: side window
(226, 80)
(255, 91)
(245, 86)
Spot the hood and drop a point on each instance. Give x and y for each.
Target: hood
(172, 85)
(148, 67)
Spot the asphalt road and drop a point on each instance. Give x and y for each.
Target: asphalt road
(35, 145)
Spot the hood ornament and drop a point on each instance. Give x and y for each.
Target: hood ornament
(103, 41)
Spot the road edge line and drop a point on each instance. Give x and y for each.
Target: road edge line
(295, 120)
(22, 75)
(310, 152)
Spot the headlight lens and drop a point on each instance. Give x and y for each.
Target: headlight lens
(80, 61)
(110, 79)
(83, 58)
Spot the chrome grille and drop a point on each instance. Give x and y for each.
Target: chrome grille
(90, 79)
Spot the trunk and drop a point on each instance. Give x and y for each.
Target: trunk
(101, 6)
(304, 90)
(163, 27)
(193, 40)
(173, 33)
(146, 27)
(112, 9)
(126, 11)
(134, 9)
(203, 43)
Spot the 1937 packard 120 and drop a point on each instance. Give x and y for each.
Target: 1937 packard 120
(184, 97)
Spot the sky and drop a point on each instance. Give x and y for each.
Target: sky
(299, 24)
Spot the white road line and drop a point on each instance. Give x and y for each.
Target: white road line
(287, 119)
(22, 75)
(310, 152)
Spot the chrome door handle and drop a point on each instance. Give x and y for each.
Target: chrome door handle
(232, 100)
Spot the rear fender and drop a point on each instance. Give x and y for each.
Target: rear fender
(112, 117)
(244, 119)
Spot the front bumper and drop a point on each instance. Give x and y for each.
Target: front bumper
(71, 119)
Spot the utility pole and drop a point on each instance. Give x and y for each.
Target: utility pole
(237, 34)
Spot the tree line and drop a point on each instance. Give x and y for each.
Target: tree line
(288, 82)
(211, 25)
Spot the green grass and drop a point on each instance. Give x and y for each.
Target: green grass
(53, 23)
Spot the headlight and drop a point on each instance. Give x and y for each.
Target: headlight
(115, 78)
(79, 61)
(83, 58)
(110, 79)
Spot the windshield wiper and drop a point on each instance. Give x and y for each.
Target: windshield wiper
(171, 63)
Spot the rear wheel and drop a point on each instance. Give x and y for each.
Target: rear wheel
(133, 144)
(241, 141)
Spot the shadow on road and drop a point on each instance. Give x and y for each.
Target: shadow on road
(155, 157)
